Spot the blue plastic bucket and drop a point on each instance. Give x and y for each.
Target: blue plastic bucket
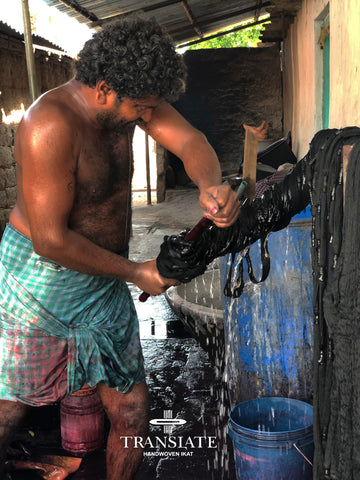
(271, 438)
(269, 328)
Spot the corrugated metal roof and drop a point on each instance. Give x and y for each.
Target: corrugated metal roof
(5, 29)
(184, 19)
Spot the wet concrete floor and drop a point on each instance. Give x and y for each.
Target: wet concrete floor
(184, 383)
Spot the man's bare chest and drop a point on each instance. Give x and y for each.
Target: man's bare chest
(104, 169)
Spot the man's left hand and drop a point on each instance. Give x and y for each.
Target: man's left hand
(221, 205)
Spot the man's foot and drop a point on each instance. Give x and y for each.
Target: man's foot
(50, 467)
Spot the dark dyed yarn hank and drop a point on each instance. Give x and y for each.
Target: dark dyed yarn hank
(335, 254)
(271, 212)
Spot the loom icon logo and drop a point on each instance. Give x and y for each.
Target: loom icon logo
(168, 422)
(169, 445)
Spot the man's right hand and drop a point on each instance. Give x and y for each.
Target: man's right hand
(149, 280)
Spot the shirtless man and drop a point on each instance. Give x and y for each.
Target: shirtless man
(67, 318)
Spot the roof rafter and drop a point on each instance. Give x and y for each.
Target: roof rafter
(148, 8)
(259, 6)
(190, 16)
(79, 9)
(211, 20)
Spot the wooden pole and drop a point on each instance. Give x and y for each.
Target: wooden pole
(29, 51)
(147, 159)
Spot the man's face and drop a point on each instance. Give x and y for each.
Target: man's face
(126, 113)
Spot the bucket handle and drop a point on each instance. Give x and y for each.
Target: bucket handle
(301, 453)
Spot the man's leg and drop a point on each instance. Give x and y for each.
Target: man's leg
(11, 414)
(128, 415)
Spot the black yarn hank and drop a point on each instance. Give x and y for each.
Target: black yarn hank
(258, 218)
(336, 275)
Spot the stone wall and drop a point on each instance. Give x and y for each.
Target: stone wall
(7, 173)
(229, 87)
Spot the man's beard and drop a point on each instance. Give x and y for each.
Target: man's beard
(108, 121)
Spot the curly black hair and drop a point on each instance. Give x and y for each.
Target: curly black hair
(136, 57)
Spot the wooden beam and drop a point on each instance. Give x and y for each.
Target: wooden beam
(29, 52)
(73, 4)
(190, 16)
(259, 6)
(148, 8)
(220, 18)
(147, 163)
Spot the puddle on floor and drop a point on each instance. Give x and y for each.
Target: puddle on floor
(156, 319)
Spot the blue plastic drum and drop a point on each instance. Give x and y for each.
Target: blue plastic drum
(269, 328)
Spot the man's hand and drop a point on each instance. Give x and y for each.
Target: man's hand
(148, 279)
(221, 205)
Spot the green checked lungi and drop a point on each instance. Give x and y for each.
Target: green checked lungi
(60, 329)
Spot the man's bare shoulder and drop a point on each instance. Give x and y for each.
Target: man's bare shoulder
(50, 124)
(50, 118)
(53, 106)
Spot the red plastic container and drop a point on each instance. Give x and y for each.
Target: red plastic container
(82, 422)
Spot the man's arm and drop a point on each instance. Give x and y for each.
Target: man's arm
(47, 160)
(174, 133)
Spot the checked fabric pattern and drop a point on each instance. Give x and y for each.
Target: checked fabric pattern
(60, 329)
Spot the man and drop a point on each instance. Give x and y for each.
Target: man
(67, 317)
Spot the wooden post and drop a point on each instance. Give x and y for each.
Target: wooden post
(147, 160)
(29, 51)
